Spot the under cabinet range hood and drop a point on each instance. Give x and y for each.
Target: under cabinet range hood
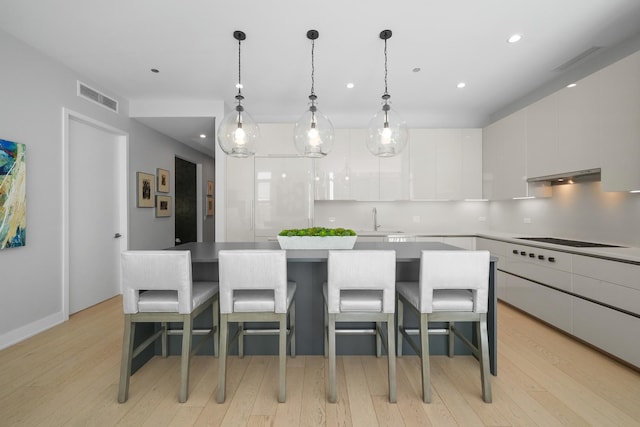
(585, 175)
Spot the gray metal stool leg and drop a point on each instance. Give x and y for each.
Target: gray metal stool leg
(127, 356)
(391, 355)
(400, 310)
(222, 357)
(282, 393)
(185, 359)
(332, 358)
(424, 356)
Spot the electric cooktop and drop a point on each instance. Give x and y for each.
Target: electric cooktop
(565, 242)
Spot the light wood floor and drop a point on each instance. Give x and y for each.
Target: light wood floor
(67, 376)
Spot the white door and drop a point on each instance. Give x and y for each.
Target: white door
(94, 214)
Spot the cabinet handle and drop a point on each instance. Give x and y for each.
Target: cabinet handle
(540, 256)
(532, 255)
(552, 259)
(515, 251)
(523, 253)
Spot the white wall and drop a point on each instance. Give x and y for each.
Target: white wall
(578, 211)
(434, 217)
(34, 89)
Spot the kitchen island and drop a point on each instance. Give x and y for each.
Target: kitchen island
(309, 269)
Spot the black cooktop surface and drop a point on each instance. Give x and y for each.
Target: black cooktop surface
(565, 242)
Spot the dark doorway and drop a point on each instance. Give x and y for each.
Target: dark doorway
(186, 228)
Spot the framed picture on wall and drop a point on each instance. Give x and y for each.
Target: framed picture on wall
(210, 205)
(145, 190)
(163, 180)
(163, 206)
(210, 188)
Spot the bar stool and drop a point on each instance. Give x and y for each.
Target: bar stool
(453, 287)
(360, 288)
(157, 287)
(254, 288)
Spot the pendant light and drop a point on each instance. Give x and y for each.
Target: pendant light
(238, 134)
(313, 132)
(387, 134)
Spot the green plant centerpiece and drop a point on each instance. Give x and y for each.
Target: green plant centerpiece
(317, 238)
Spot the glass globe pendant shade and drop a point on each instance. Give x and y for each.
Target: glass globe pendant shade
(313, 134)
(387, 134)
(238, 134)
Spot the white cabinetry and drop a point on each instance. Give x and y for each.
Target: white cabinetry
(332, 172)
(364, 168)
(504, 174)
(463, 242)
(446, 164)
(239, 199)
(578, 125)
(351, 172)
(498, 250)
(542, 137)
(620, 125)
(596, 300)
(276, 139)
(282, 195)
(563, 130)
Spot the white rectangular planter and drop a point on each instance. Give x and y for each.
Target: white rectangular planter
(309, 242)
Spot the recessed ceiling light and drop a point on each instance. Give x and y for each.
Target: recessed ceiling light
(203, 136)
(461, 85)
(416, 70)
(350, 85)
(572, 85)
(155, 70)
(514, 38)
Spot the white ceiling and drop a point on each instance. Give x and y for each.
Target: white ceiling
(115, 43)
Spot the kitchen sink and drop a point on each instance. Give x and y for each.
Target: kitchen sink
(566, 242)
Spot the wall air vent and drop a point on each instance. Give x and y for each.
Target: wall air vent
(93, 95)
(578, 58)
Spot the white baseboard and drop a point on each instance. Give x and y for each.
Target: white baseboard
(15, 336)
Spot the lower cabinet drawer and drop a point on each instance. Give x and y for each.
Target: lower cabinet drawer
(610, 330)
(549, 305)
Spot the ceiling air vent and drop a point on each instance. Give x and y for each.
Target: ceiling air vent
(93, 95)
(578, 58)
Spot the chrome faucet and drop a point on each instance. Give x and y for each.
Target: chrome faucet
(376, 226)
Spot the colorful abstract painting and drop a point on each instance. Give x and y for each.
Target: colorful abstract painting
(13, 195)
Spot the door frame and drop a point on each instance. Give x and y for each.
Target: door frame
(123, 187)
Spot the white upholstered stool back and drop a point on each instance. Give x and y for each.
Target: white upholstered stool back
(254, 288)
(360, 288)
(157, 286)
(453, 287)
(454, 281)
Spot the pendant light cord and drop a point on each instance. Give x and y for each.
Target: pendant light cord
(239, 70)
(385, 68)
(313, 68)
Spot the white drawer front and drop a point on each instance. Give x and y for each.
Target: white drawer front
(608, 293)
(620, 273)
(610, 330)
(539, 272)
(545, 257)
(553, 307)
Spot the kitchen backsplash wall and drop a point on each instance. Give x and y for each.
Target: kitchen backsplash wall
(410, 217)
(579, 211)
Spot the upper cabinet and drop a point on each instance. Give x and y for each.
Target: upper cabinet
(563, 130)
(351, 172)
(445, 164)
(578, 125)
(504, 168)
(276, 139)
(542, 137)
(620, 125)
(594, 124)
